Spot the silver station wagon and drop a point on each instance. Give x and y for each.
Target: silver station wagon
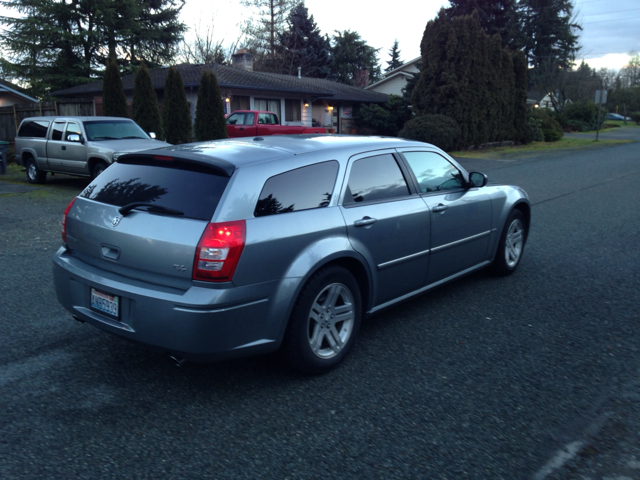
(239, 247)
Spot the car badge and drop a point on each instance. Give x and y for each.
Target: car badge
(115, 221)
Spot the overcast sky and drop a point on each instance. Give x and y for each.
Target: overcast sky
(606, 38)
(611, 28)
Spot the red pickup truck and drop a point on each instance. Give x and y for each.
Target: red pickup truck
(252, 123)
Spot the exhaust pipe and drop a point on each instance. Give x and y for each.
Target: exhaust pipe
(178, 361)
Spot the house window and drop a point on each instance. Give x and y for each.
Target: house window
(268, 105)
(292, 110)
(239, 102)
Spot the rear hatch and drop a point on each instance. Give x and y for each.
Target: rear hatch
(144, 215)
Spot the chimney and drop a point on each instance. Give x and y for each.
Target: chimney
(361, 79)
(242, 59)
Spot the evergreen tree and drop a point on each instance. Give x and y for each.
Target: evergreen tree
(496, 17)
(145, 102)
(176, 116)
(114, 102)
(468, 76)
(407, 90)
(55, 45)
(552, 42)
(210, 123)
(520, 109)
(263, 29)
(351, 56)
(302, 45)
(395, 61)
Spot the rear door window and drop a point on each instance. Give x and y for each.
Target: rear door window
(374, 179)
(58, 128)
(300, 189)
(189, 189)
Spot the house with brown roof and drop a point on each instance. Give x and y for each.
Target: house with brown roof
(298, 100)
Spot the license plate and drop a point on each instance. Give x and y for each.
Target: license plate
(105, 303)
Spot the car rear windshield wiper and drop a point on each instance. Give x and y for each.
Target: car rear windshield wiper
(149, 207)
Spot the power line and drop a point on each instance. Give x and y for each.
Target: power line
(607, 13)
(614, 20)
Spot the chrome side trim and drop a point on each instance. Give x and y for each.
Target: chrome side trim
(429, 287)
(460, 242)
(384, 265)
(254, 344)
(218, 310)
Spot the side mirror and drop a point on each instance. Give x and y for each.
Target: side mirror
(152, 135)
(74, 137)
(477, 179)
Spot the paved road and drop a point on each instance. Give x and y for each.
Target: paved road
(485, 378)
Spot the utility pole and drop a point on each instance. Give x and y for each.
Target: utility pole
(601, 97)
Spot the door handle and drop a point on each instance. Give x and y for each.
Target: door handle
(363, 222)
(439, 208)
(64, 147)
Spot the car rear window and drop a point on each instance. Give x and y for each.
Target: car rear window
(189, 189)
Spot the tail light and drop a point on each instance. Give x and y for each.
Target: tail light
(64, 221)
(219, 251)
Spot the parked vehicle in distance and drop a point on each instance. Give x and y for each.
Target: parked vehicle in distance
(616, 116)
(254, 123)
(83, 146)
(238, 247)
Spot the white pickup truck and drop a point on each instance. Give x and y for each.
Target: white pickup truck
(82, 146)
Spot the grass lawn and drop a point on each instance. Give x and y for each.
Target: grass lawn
(14, 174)
(539, 147)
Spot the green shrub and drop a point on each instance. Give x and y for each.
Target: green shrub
(550, 127)
(439, 130)
(584, 113)
(535, 130)
(385, 119)
(11, 154)
(635, 116)
(373, 117)
(576, 126)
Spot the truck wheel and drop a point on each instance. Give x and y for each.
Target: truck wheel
(34, 174)
(98, 168)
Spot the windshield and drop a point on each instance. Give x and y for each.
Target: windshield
(113, 130)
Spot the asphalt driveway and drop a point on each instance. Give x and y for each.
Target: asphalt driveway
(483, 378)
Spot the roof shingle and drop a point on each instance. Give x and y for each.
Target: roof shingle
(237, 78)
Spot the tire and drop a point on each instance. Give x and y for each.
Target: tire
(324, 322)
(511, 245)
(98, 168)
(34, 174)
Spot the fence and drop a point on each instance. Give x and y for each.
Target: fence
(11, 116)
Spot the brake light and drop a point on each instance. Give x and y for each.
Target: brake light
(64, 221)
(219, 251)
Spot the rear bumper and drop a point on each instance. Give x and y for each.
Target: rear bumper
(200, 323)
